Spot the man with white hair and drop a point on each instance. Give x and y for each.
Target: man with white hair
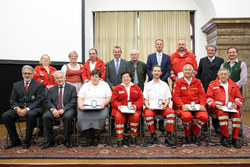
(190, 98)
(222, 92)
(25, 101)
(61, 102)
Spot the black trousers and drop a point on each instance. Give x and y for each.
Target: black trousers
(10, 117)
(48, 119)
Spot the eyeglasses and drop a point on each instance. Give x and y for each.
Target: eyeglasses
(26, 73)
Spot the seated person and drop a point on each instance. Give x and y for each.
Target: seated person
(25, 101)
(61, 102)
(220, 92)
(186, 90)
(156, 89)
(123, 95)
(92, 122)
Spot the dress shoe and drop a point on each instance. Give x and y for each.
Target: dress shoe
(67, 144)
(119, 143)
(169, 141)
(153, 138)
(236, 143)
(96, 141)
(89, 141)
(13, 144)
(188, 140)
(224, 142)
(48, 144)
(133, 141)
(193, 137)
(26, 145)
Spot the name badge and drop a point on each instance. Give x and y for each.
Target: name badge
(183, 88)
(216, 87)
(121, 91)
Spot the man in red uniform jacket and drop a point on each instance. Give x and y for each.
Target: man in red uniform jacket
(179, 59)
(222, 92)
(93, 63)
(189, 90)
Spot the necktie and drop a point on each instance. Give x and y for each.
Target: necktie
(117, 66)
(59, 106)
(159, 59)
(26, 86)
(135, 76)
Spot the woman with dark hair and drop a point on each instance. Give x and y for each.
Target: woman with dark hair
(126, 95)
(93, 98)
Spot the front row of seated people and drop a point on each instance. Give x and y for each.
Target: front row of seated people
(27, 96)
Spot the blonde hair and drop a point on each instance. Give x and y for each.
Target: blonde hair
(72, 53)
(42, 58)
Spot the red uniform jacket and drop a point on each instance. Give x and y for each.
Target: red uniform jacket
(100, 65)
(120, 96)
(178, 62)
(41, 75)
(217, 95)
(184, 93)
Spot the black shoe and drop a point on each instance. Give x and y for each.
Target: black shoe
(224, 142)
(193, 137)
(119, 143)
(26, 145)
(169, 141)
(48, 144)
(236, 143)
(95, 141)
(161, 128)
(153, 138)
(188, 140)
(67, 144)
(89, 141)
(133, 141)
(15, 143)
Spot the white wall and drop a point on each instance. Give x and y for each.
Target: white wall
(30, 28)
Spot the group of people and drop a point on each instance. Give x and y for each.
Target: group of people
(92, 91)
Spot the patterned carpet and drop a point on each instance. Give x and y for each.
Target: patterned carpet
(108, 150)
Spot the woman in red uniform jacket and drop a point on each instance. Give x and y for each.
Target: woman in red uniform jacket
(44, 73)
(122, 94)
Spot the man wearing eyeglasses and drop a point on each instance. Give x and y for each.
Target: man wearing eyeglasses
(25, 101)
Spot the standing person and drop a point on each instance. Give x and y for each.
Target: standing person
(44, 73)
(220, 92)
(73, 71)
(179, 59)
(207, 72)
(115, 68)
(25, 101)
(123, 94)
(163, 60)
(156, 89)
(61, 103)
(186, 90)
(138, 69)
(93, 63)
(92, 122)
(237, 68)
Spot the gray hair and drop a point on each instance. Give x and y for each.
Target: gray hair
(213, 46)
(223, 69)
(159, 40)
(117, 47)
(27, 67)
(59, 72)
(137, 51)
(189, 66)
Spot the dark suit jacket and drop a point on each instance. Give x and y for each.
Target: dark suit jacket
(165, 66)
(111, 78)
(32, 98)
(69, 97)
(141, 72)
(207, 71)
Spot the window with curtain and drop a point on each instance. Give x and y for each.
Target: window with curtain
(139, 30)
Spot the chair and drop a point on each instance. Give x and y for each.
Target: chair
(20, 130)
